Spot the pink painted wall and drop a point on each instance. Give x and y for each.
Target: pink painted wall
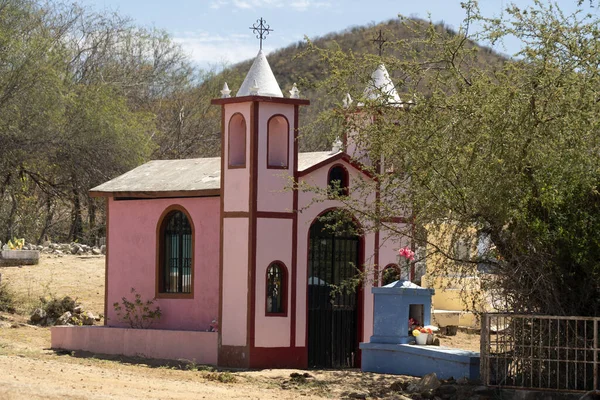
(388, 249)
(132, 260)
(199, 347)
(235, 282)
(305, 219)
(274, 243)
(237, 190)
(272, 195)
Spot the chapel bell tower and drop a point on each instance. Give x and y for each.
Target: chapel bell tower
(259, 157)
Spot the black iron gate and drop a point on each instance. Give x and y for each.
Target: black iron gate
(332, 308)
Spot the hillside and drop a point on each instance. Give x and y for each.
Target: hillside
(293, 64)
(116, 107)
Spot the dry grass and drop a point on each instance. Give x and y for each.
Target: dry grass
(25, 355)
(79, 277)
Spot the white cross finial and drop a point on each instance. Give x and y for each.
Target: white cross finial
(337, 145)
(347, 101)
(294, 93)
(225, 92)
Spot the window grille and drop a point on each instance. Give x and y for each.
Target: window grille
(275, 289)
(177, 254)
(337, 181)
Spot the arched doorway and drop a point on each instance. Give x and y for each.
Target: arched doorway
(333, 305)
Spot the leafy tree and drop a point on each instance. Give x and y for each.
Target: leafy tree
(503, 153)
(80, 95)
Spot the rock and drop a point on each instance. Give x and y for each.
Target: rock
(78, 310)
(451, 330)
(103, 249)
(46, 243)
(463, 381)
(39, 248)
(38, 316)
(399, 386)
(80, 251)
(4, 324)
(64, 319)
(87, 318)
(357, 395)
(58, 252)
(96, 251)
(65, 247)
(428, 382)
(412, 387)
(397, 397)
(484, 391)
(74, 249)
(445, 391)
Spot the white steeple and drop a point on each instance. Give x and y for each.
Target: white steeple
(260, 77)
(382, 88)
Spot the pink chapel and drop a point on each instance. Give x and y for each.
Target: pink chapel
(239, 264)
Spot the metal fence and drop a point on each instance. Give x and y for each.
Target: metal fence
(540, 352)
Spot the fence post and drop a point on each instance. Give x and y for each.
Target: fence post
(484, 348)
(595, 354)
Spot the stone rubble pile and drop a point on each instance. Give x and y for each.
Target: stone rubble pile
(77, 316)
(61, 249)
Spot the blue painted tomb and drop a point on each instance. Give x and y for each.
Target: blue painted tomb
(391, 349)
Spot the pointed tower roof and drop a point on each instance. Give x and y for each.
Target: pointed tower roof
(382, 88)
(261, 73)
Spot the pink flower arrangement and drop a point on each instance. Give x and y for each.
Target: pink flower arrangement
(407, 253)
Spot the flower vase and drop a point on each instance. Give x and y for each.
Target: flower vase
(421, 338)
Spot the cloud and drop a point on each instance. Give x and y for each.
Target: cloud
(299, 5)
(208, 50)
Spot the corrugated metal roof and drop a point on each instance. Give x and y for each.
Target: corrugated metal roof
(188, 175)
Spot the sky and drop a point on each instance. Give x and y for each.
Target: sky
(216, 32)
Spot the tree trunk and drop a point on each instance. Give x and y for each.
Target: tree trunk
(11, 218)
(93, 233)
(49, 217)
(76, 233)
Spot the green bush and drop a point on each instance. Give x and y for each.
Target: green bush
(7, 299)
(56, 307)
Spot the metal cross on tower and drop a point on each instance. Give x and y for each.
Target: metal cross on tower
(380, 40)
(262, 30)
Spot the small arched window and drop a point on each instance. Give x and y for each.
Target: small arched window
(278, 149)
(237, 141)
(175, 260)
(276, 289)
(337, 181)
(391, 273)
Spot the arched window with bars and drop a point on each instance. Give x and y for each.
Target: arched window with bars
(391, 273)
(276, 289)
(175, 259)
(337, 181)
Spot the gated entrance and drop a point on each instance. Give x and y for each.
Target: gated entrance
(333, 318)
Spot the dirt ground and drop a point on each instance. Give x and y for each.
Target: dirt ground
(30, 370)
